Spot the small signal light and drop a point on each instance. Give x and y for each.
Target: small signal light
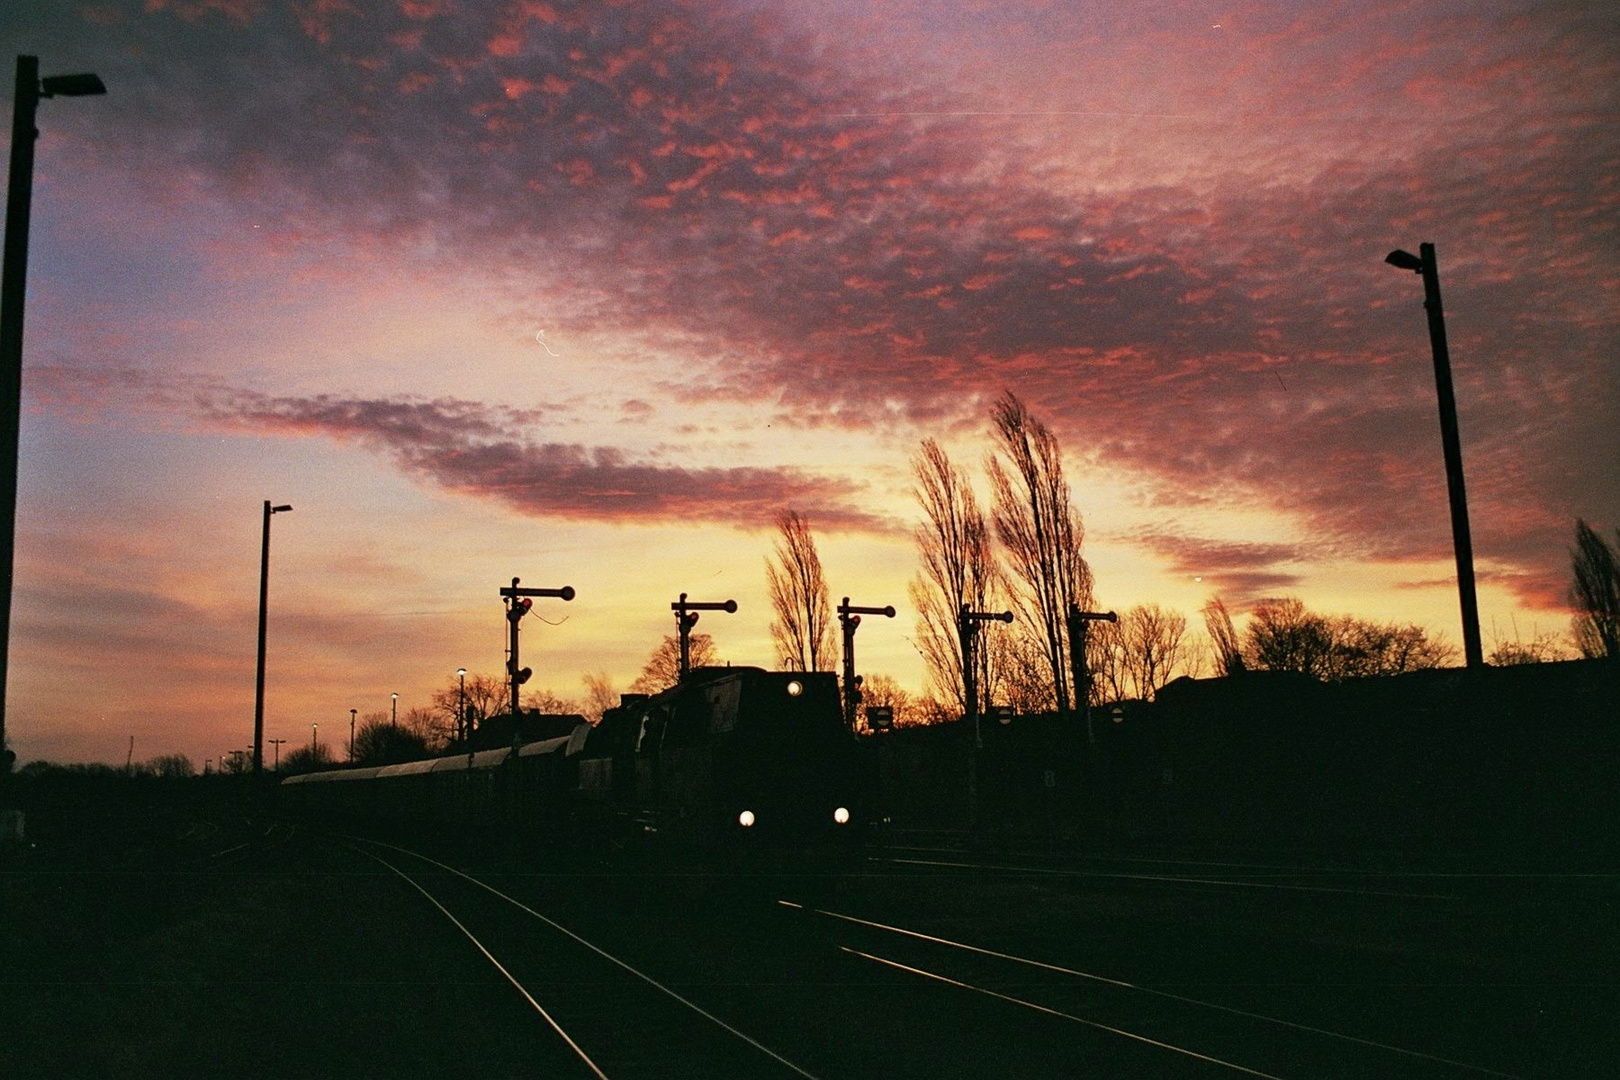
(795, 688)
(746, 819)
(841, 816)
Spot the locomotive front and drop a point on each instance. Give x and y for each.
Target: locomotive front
(730, 757)
(787, 770)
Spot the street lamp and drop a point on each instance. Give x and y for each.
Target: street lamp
(352, 714)
(264, 600)
(314, 746)
(393, 710)
(1424, 263)
(277, 744)
(461, 702)
(13, 286)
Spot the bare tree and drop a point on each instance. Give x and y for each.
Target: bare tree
(378, 742)
(170, 765)
(1283, 635)
(883, 690)
(1359, 648)
(958, 567)
(1105, 656)
(1152, 643)
(1223, 638)
(1040, 531)
(486, 695)
(663, 667)
(550, 703)
(1595, 593)
(429, 725)
(600, 695)
(802, 624)
(1024, 683)
(1542, 648)
(306, 759)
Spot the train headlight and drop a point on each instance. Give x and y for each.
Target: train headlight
(746, 819)
(841, 816)
(795, 688)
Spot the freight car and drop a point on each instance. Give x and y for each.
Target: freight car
(729, 757)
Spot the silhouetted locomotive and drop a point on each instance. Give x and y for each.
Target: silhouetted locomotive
(729, 756)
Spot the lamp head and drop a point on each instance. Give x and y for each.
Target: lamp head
(82, 85)
(1404, 260)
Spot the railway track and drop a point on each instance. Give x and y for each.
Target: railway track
(599, 1014)
(910, 999)
(1168, 1033)
(938, 963)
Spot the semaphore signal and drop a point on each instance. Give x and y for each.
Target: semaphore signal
(518, 603)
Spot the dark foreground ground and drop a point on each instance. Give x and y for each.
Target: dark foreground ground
(140, 942)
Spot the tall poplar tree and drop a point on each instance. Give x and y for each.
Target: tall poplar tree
(958, 567)
(801, 625)
(1595, 593)
(1040, 531)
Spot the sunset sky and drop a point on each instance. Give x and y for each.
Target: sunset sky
(586, 292)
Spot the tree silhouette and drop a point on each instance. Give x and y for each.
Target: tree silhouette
(379, 742)
(958, 567)
(1223, 638)
(1595, 593)
(801, 625)
(170, 765)
(1152, 642)
(549, 703)
(307, 759)
(485, 696)
(663, 667)
(1024, 674)
(1105, 656)
(435, 729)
(600, 696)
(1283, 635)
(1040, 531)
(1515, 651)
(883, 690)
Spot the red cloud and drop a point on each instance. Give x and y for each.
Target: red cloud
(484, 451)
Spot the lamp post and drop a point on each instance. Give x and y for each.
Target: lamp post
(1424, 263)
(461, 703)
(264, 600)
(352, 714)
(314, 744)
(13, 287)
(393, 710)
(277, 744)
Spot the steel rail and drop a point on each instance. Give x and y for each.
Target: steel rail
(1165, 879)
(1061, 970)
(459, 925)
(1285, 870)
(1061, 1014)
(643, 976)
